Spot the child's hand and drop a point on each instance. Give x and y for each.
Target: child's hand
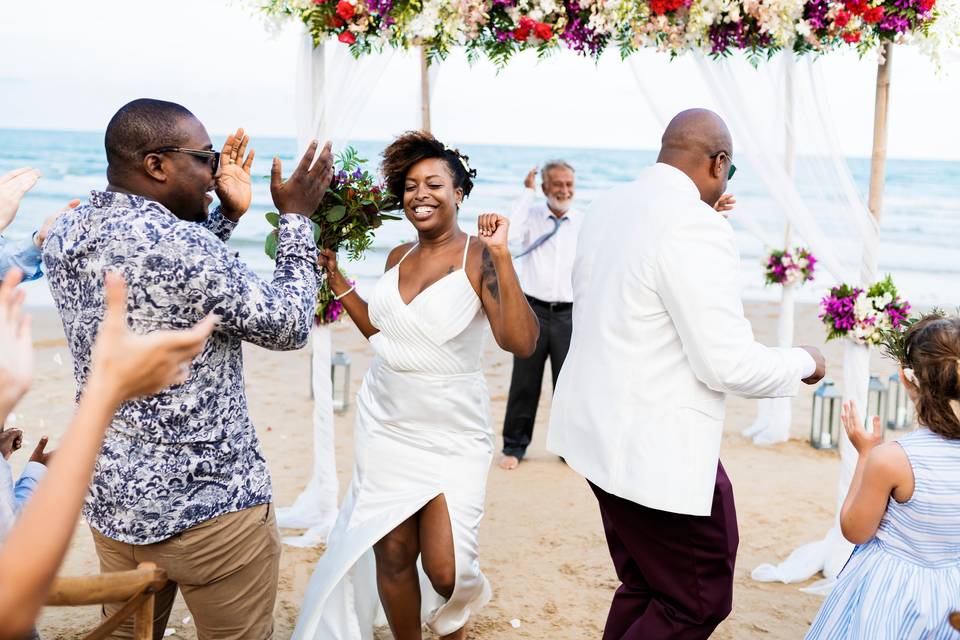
(861, 439)
(10, 441)
(39, 455)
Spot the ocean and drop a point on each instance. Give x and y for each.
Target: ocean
(920, 225)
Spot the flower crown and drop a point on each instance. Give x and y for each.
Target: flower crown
(463, 161)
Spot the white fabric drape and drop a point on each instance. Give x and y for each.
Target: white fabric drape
(332, 88)
(831, 218)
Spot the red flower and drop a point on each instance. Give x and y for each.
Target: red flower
(841, 19)
(335, 22)
(873, 15)
(347, 37)
(659, 7)
(926, 5)
(851, 37)
(543, 31)
(345, 10)
(857, 8)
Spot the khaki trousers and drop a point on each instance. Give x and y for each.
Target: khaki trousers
(226, 568)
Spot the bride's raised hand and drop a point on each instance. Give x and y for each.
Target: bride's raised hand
(493, 230)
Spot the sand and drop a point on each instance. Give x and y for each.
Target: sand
(542, 544)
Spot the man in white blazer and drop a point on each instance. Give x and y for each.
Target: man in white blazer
(659, 339)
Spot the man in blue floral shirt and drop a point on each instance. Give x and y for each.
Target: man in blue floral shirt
(181, 480)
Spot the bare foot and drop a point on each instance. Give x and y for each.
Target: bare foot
(509, 463)
(459, 634)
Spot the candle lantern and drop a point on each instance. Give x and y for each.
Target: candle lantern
(876, 401)
(900, 412)
(340, 378)
(825, 417)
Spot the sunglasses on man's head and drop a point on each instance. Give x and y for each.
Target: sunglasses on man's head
(213, 157)
(733, 167)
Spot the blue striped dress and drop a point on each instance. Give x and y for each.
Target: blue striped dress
(905, 581)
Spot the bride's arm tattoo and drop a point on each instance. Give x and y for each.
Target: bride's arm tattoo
(488, 275)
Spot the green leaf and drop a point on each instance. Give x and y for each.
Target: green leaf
(270, 245)
(387, 216)
(336, 213)
(316, 231)
(273, 218)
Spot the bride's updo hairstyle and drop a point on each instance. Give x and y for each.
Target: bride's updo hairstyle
(933, 353)
(411, 148)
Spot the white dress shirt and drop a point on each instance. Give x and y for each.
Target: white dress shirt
(546, 273)
(659, 339)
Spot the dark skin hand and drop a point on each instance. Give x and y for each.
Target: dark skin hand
(10, 441)
(39, 455)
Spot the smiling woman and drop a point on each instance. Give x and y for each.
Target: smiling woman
(419, 489)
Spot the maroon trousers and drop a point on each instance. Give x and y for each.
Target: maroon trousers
(676, 570)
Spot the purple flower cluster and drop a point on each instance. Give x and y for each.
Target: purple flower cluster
(898, 312)
(838, 308)
(331, 313)
(577, 33)
(742, 34)
(380, 7)
(815, 13)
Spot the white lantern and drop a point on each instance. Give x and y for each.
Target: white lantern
(340, 378)
(876, 401)
(900, 412)
(825, 417)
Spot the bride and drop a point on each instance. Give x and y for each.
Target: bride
(423, 439)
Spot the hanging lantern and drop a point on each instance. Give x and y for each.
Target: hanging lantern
(876, 400)
(340, 377)
(825, 416)
(900, 412)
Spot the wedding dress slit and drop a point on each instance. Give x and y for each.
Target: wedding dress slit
(422, 430)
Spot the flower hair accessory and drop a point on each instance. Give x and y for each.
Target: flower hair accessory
(463, 161)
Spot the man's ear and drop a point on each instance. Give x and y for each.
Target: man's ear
(716, 166)
(153, 167)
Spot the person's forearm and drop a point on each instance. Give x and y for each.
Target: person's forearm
(518, 323)
(219, 225)
(34, 550)
(854, 489)
(354, 305)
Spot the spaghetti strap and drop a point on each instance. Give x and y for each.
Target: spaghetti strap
(415, 245)
(466, 248)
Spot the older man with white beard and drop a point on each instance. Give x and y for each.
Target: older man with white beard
(548, 234)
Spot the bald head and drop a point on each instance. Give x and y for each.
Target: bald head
(698, 143)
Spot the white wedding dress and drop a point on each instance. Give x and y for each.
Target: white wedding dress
(422, 429)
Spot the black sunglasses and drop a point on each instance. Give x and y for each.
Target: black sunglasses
(213, 157)
(733, 167)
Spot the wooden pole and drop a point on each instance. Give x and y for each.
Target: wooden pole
(424, 89)
(878, 160)
(789, 142)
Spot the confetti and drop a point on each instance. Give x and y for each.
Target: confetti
(169, 632)
(186, 620)
(57, 360)
(515, 623)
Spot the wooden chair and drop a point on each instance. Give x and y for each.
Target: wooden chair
(136, 589)
(955, 620)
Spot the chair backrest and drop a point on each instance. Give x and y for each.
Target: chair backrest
(136, 589)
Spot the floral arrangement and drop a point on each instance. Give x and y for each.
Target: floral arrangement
(498, 29)
(785, 267)
(353, 207)
(865, 317)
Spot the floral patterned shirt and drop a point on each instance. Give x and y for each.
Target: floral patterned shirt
(189, 453)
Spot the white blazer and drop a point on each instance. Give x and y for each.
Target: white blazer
(659, 338)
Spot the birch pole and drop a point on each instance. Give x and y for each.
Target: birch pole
(424, 90)
(878, 160)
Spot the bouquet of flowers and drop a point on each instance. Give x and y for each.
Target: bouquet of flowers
(353, 207)
(784, 267)
(864, 316)
(329, 309)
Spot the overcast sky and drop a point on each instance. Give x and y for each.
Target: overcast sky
(70, 65)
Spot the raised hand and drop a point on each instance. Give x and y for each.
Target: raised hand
(821, 369)
(10, 441)
(44, 229)
(493, 229)
(861, 439)
(16, 365)
(530, 182)
(233, 179)
(13, 186)
(302, 192)
(39, 455)
(126, 365)
(726, 203)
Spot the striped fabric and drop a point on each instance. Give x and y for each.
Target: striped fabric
(904, 583)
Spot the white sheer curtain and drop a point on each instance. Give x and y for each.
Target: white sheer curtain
(332, 88)
(830, 217)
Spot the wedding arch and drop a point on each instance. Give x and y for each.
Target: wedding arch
(343, 35)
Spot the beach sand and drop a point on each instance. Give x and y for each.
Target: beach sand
(542, 543)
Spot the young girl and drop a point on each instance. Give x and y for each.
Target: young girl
(903, 507)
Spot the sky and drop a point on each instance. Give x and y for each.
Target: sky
(70, 65)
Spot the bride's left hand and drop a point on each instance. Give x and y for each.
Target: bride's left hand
(493, 230)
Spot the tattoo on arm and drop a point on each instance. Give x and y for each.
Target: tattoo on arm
(488, 275)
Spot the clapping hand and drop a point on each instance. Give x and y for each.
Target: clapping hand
(726, 203)
(861, 439)
(16, 365)
(493, 230)
(302, 192)
(126, 365)
(13, 186)
(233, 180)
(39, 455)
(10, 441)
